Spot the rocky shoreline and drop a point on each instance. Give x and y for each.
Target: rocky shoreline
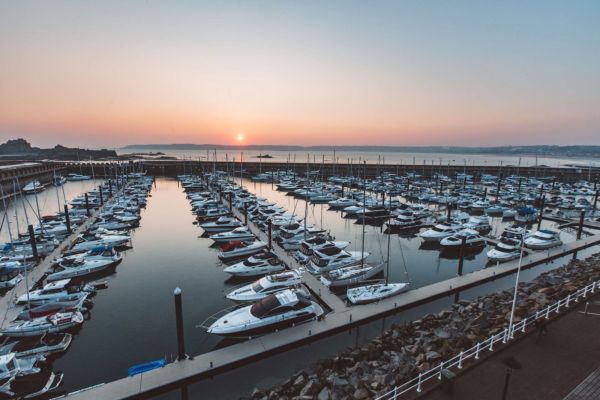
(404, 350)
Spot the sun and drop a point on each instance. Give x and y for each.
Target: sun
(240, 137)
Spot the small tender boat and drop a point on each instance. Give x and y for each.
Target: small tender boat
(543, 239)
(275, 311)
(238, 249)
(375, 292)
(240, 233)
(53, 323)
(265, 286)
(33, 187)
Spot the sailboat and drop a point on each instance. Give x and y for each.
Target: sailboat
(377, 291)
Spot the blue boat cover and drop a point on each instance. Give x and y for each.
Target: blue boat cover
(145, 367)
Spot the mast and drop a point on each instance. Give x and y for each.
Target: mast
(306, 196)
(362, 251)
(6, 215)
(387, 272)
(16, 208)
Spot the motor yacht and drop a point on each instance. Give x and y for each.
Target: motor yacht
(471, 237)
(33, 187)
(330, 258)
(63, 290)
(222, 224)
(543, 239)
(51, 324)
(308, 246)
(481, 224)
(238, 249)
(275, 311)
(240, 233)
(255, 266)
(265, 286)
(440, 231)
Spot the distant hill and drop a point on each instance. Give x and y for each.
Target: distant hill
(22, 150)
(541, 150)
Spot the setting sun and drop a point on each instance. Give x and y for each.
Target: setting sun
(240, 137)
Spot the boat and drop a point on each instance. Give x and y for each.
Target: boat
(52, 307)
(145, 367)
(440, 231)
(30, 386)
(375, 292)
(11, 365)
(526, 215)
(373, 214)
(471, 237)
(331, 258)
(256, 267)
(33, 187)
(9, 276)
(275, 311)
(543, 239)
(82, 244)
(35, 327)
(308, 247)
(78, 177)
(240, 233)
(63, 290)
(238, 249)
(49, 343)
(351, 275)
(222, 224)
(342, 202)
(481, 224)
(505, 250)
(86, 267)
(404, 219)
(265, 286)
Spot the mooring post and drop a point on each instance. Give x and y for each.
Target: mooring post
(343, 191)
(449, 208)
(101, 196)
(110, 188)
(461, 256)
(485, 193)
(595, 200)
(87, 205)
(580, 229)
(179, 320)
(33, 242)
(230, 202)
(245, 213)
(519, 186)
(68, 219)
(270, 232)
(542, 203)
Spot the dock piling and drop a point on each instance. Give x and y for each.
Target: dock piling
(68, 219)
(87, 205)
(270, 232)
(461, 256)
(179, 320)
(101, 196)
(33, 242)
(580, 228)
(542, 203)
(245, 213)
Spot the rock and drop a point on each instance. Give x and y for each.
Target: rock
(311, 388)
(360, 394)
(324, 394)
(432, 355)
(299, 382)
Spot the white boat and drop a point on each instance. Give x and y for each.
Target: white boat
(265, 286)
(275, 311)
(255, 267)
(404, 219)
(331, 258)
(82, 244)
(11, 365)
(351, 275)
(342, 202)
(9, 277)
(440, 231)
(62, 290)
(543, 239)
(35, 327)
(237, 249)
(505, 250)
(375, 292)
(78, 177)
(471, 237)
(84, 267)
(308, 247)
(33, 187)
(481, 224)
(45, 345)
(240, 233)
(222, 224)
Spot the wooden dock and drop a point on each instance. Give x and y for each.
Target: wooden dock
(340, 318)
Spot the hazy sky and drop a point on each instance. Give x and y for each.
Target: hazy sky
(109, 73)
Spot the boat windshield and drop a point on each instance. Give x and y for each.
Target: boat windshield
(330, 251)
(264, 306)
(257, 287)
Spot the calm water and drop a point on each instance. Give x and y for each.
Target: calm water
(133, 320)
(344, 157)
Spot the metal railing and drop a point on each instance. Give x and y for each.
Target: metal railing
(488, 345)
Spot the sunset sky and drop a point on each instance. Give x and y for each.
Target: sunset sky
(111, 73)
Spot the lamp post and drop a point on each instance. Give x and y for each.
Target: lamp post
(514, 302)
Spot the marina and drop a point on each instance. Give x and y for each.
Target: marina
(212, 357)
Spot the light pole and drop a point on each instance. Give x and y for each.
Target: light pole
(514, 302)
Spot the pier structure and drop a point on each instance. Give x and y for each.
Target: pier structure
(339, 318)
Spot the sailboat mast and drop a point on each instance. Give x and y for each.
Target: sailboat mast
(306, 195)
(362, 251)
(387, 266)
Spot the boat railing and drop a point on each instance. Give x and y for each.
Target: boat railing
(491, 344)
(214, 317)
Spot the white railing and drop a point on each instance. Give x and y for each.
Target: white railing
(488, 345)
